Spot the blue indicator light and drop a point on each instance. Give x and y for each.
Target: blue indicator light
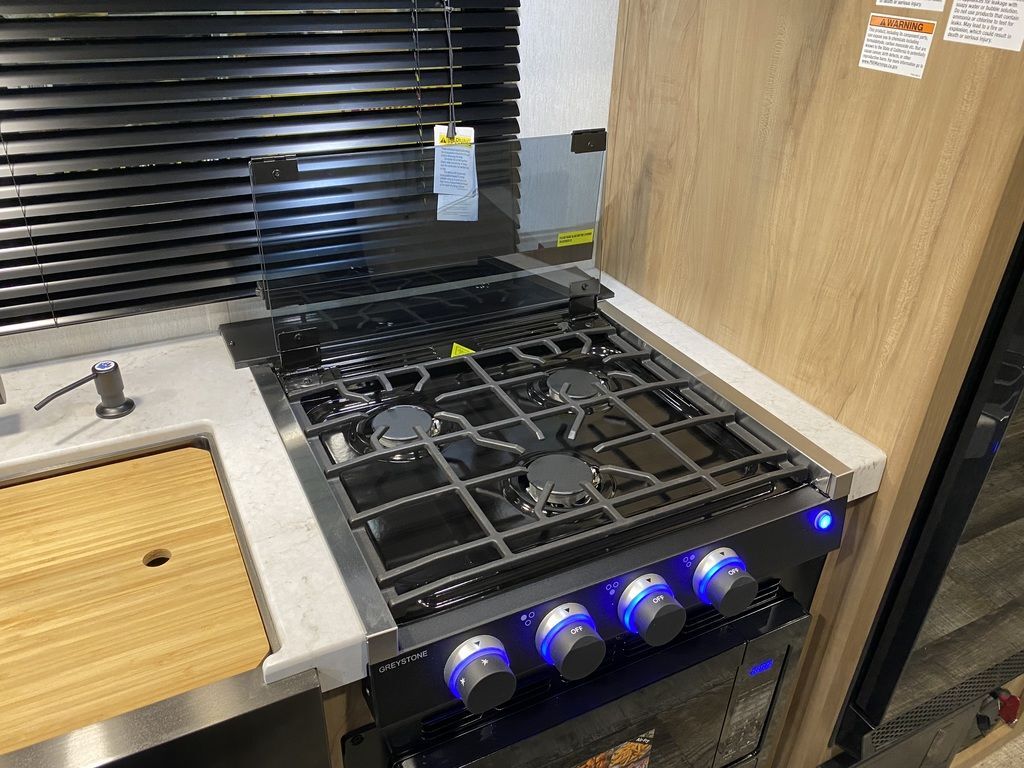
(702, 588)
(545, 645)
(627, 615)
(461, 666)
(761, 668)
(823, 520)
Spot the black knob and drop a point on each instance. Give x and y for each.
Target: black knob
(567, 639)
(721, 580)
(648, 607)
(478, 673)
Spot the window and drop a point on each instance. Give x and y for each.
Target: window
(128, 132)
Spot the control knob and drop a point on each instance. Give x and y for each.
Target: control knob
(648, 607)
(478, 673)
(567, 638)
(721, 580)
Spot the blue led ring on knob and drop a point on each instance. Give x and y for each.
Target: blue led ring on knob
(567, 638)
(721, 579)
(648, 607)
(478, 672)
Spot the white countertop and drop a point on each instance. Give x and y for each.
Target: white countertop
(190, 387)
(187, 387)
(865, 459)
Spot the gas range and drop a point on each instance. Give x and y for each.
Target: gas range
(464, 476)
(559, 532)
(553, 505)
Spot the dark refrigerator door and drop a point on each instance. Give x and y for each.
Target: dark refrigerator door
(955, 606)
(977, 617)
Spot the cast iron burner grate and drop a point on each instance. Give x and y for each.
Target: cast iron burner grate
(463, 476)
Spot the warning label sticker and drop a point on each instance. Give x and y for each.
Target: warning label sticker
(576, 237)
(916, 5)
(992, 23)
(897, 44)
(458, 350)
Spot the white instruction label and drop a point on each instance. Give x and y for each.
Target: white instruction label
(454, 161)
(916, 5)
(992, 23)
(455, 179)
(897, 44)
(458, 207)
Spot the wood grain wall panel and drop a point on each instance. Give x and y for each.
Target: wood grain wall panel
(842, 230)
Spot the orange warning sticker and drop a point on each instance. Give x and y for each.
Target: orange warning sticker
(897, 44)
(897, 22)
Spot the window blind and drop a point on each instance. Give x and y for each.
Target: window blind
(127, 126)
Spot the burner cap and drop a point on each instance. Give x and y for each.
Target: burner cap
(568, 475)
(400, 422)
(582, 384)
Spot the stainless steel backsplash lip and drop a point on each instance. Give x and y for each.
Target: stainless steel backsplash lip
(831, 476)
(378, 623)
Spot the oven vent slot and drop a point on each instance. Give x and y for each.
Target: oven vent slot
(444, 724)
(527, 693)
(447, 723)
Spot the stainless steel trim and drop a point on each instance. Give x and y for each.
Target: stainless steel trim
(831, 475)
(467, 649)
(378, 623)
(635, 587)
(709, 561)
(550, 621)
(147, 727)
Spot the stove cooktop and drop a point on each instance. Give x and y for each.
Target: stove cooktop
(462, 476)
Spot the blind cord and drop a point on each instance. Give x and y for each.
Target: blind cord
(451, 68)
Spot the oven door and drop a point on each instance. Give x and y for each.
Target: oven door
(712, 714)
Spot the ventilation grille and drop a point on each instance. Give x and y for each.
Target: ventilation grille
(947, 703)
(128, 132)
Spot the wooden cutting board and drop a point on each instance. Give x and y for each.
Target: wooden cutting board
(88, 630)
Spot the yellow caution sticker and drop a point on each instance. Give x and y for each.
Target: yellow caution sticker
(577, 237)
(458, 350)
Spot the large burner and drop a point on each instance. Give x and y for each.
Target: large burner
(400, 424)
(566, 474)
(572, 383)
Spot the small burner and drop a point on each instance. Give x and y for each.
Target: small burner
(567, 473)
(400, 423)
(580, 384)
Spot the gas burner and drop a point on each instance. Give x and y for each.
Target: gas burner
(401, 424)
(583, 379)
(569, 384)
(396, 426)
(567, 475)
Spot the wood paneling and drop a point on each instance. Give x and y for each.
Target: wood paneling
(88, 630)
(842, 230)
